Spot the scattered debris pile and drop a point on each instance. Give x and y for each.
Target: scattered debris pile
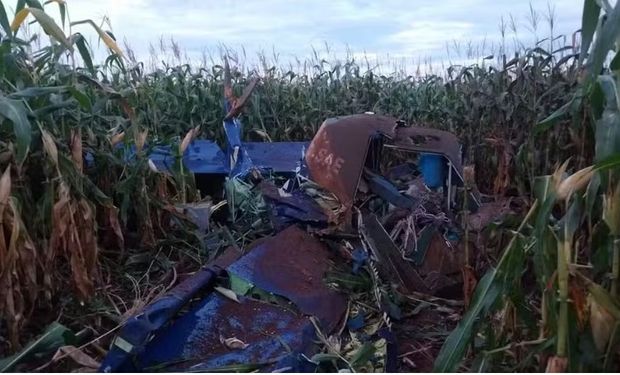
(353, 243)
(360, 252)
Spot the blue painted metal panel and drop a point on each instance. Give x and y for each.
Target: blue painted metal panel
(386, 190)
(280, 157)
(434, 170)
(193, 341)
(201, 156)
(138, 329)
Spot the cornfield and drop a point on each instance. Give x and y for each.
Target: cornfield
(87, 239)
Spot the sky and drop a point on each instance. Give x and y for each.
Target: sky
(406, 30)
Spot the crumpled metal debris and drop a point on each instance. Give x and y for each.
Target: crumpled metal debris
(405, 229)
(343, 146)
(292, 264)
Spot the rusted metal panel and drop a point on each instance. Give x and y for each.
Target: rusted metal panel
(432, 141)
(337, 153)
(293, 264)
(194, 342)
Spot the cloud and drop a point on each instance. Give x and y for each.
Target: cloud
(408, 29)
(427, 35)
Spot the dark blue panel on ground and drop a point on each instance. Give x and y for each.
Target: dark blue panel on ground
(193, 342)
(281, 157)
(386, 190)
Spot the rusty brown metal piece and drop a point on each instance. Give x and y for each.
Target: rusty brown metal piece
(259, 325)
(429, 140)
(337, 154)
(293, 264)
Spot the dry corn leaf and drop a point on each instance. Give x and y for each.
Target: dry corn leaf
(602, 324)
(233, 343)
(574, 182)
(558, 175)
(5, 189)
(76, 149)
(469, 175)
(117, 138)
(557, 364)
(611, 210)
(47, 23)
(263, 134)
(227, 293)
(578, 295)
(469, 284)
(77, 355)
(74, 237)
(107, 39)
(49, 145)
(19, 19)
(116, 226)
(140, 139)
(18, 272)
(189, 137)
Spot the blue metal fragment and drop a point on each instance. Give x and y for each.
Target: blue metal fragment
(291, 208)
(194, 341)
(360, 256)
(356, 323)
(434, 170)
(386, 190)
(137, 331)
(280, 157)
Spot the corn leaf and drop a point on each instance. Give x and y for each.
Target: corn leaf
(615, 63)
(82, 46)
(32, 92)
(82, 98)
(606, 37)
(34, 4)
(47, 23)
(20, 5)
(16, 112)
(62, 6)
(107, 39)
(592, 192)
(609, 163)
(553, 118)
(4, 20)
(453, 350)
(589, 21)
(607, 135)
(55, 336)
